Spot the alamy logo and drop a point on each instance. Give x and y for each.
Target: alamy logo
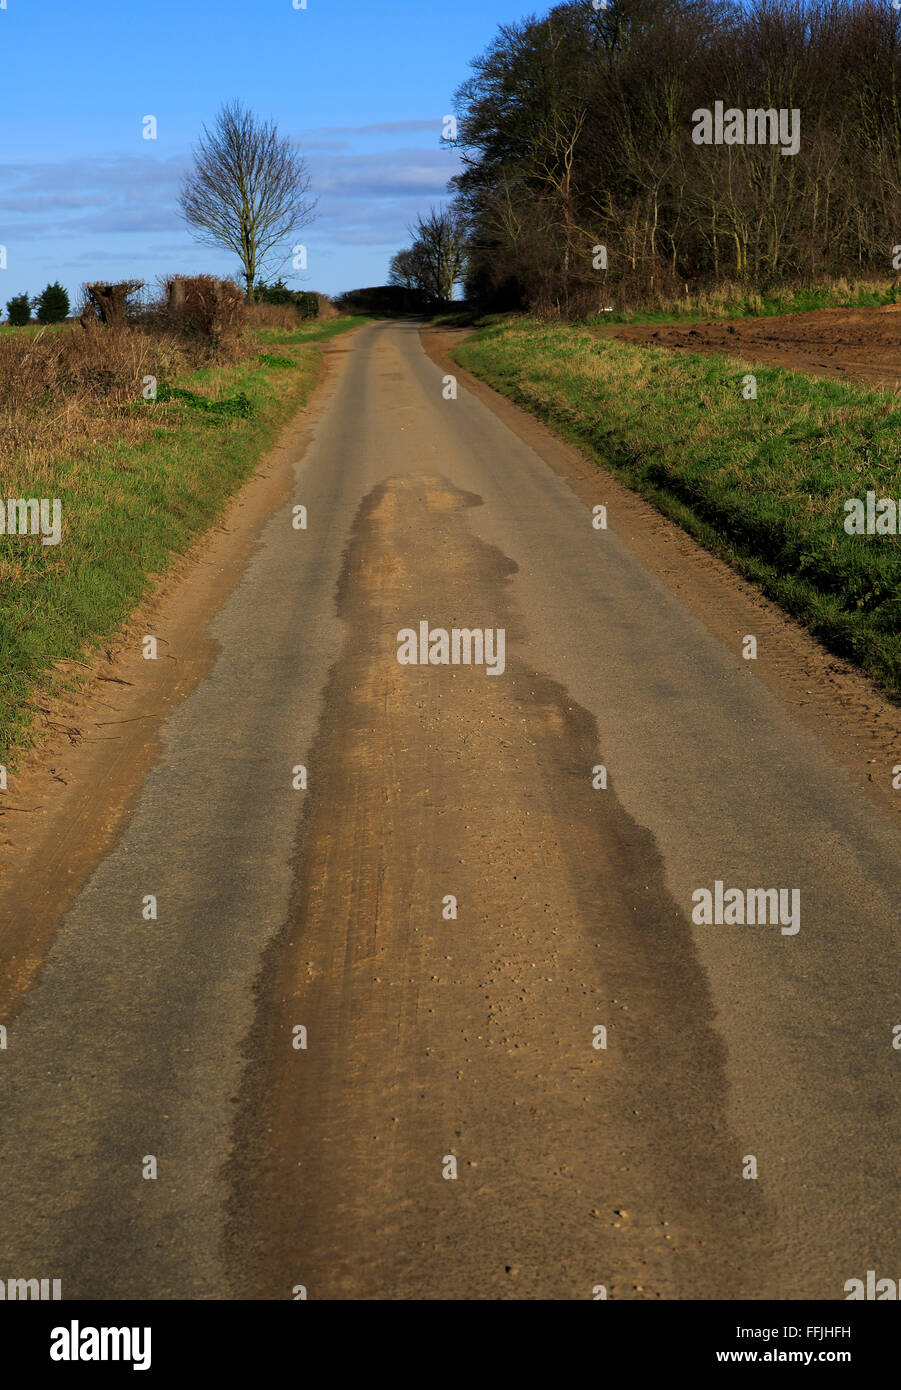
(873, 518)
(754, 906)
(30, 516)
(461, 646)
(77, 1343)
(24, 1289)
(880, 1290)
(752, 127)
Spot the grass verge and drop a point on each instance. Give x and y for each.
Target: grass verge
(131, 502)
(762, 483)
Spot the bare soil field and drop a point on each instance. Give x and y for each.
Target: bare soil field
(857, 344)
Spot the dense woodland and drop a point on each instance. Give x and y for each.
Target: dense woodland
(576, 130)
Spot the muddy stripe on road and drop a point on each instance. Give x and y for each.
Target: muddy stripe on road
(429, 1037)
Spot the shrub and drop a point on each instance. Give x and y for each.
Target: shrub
(53, 304)
(278, 293)
(204, 305)
(19, 309)
(306, 302)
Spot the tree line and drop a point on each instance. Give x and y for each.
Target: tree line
(582, 172)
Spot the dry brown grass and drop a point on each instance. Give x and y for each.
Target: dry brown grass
(68, 385)
(283, 316)
(286, 316)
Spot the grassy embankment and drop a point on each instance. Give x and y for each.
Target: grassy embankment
(138, 480)
(760, 482)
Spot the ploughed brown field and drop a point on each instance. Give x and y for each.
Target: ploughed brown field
(856, 344)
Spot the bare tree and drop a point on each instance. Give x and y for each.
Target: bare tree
(439, 252)
(248, 191)
(404, 270)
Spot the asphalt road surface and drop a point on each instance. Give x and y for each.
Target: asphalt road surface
(459, 915)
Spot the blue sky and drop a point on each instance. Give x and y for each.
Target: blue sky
(362, 88)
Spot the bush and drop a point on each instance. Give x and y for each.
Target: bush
(207, 308)
(278, 293)
(53, 304)
(306, 302)
(19, 309)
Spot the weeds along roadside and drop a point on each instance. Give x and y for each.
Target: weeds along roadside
(761, 482)
(139, 479)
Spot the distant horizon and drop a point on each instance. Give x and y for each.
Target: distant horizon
(86, 197)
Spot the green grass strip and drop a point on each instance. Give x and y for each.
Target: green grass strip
(762, 483)
(128, 508)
